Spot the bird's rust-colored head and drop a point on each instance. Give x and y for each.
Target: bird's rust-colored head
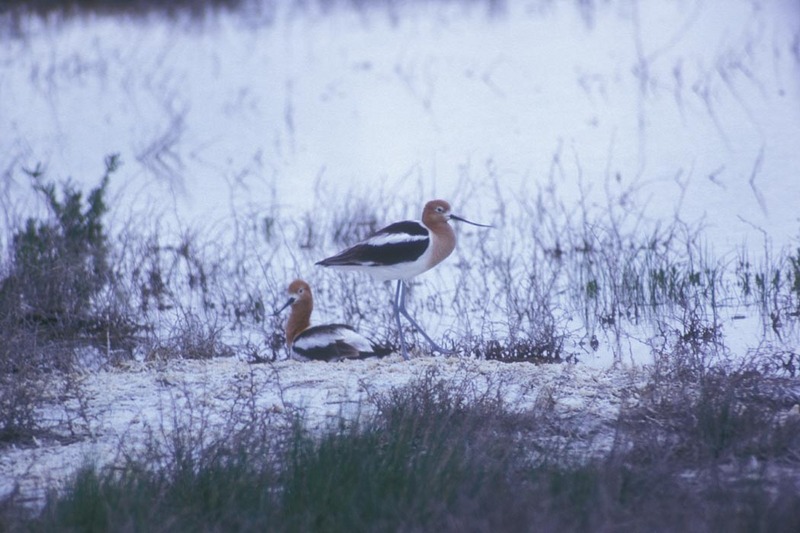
(299, 290)
(438, 212)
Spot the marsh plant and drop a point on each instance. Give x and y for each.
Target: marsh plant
(51, 303)
(58, 266)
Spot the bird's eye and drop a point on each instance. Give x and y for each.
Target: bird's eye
(300, 291)
(440, 209)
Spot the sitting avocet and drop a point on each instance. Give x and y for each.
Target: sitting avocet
(329, 342)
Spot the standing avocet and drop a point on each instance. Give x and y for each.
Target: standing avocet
(401, 251)
(330, 342)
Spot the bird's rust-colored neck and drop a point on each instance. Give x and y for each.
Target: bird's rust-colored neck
(299, 320)
(443, 238)
(444, 242)
(302, 306)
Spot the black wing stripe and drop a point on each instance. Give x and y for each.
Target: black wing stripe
(383, 254)
(408, 227)
(337, 350)
(323, 352)
(386, 253)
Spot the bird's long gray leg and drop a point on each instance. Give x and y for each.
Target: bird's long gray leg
(401, 307)
(396, 303)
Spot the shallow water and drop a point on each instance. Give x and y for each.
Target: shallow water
(664, 105)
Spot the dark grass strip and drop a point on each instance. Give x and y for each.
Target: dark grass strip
(433, 459)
